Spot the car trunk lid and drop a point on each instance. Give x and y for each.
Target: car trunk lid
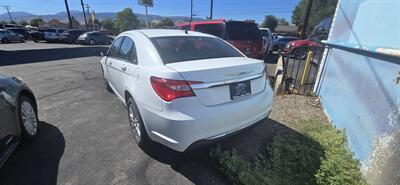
(217, 76)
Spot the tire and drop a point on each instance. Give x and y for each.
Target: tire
(92, 42)
(28, 119)
(136, 123)
(300, 53)
(4, 40)
(108, 88)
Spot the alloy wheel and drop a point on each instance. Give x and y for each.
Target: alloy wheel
(28, 117)
(134, 123)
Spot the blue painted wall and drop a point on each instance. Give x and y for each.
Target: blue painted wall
(359, 90)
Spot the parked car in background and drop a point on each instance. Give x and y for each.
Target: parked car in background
(37, 35)
(183, 88)
(298, 49)
(93, 38)
(280, 43)
(21, 31)
(267, 38)
(70, 36)
(243, 35)
(53, 34)
(7, 36)
(18, 112)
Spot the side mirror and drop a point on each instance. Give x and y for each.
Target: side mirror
(102, 54)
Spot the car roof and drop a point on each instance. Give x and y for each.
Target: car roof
(151, 33)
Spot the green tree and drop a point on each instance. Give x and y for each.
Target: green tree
(164, 23)
(282, 21)
(320, 10)
(36, 22)
(108, 24)
(270, 22)
(126, 20)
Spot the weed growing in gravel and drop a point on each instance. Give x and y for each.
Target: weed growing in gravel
(315, 154)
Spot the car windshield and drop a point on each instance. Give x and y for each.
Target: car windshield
(187, 48)
(286, 39)
(242, 31)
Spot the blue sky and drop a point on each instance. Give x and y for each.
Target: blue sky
(229, 9)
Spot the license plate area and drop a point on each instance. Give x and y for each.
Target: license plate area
(240, 89)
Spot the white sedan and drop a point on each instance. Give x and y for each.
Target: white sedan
(184, 88)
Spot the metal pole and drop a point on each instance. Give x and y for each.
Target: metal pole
(84, 15)
(305, 21)
(88, 13)
(211, 10)
(191, 11)
(8, 11)
(69, 15)
(147, 19)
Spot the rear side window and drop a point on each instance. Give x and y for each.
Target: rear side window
(212, 29)
(114, 49)
(264, 33)
(242, 31)
(128, 50)
(187, 48)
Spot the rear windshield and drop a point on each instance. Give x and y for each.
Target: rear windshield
(243, 31)
(212, 29)
(286, 39)
(187, 48)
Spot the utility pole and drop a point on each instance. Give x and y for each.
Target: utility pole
(147, 19)
(305, 20)
(211, 9)
(84, 15)
(89, 17)
(8, 11)
(191, 11)
(69, 15)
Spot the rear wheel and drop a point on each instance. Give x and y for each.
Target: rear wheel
(92, 42)
(28, 118)
(4, 40)
(136, 123)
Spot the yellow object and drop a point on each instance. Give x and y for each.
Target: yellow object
(310, 56)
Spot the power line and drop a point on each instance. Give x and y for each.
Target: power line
(8, 11)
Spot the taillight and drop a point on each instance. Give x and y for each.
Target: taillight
(169, 90)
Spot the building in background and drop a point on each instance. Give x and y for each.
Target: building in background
(359, 83)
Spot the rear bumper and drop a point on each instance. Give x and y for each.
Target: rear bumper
(186, 121)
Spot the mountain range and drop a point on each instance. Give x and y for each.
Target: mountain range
(78, 15)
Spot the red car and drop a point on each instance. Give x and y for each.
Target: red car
(298, 49)
(243, 35)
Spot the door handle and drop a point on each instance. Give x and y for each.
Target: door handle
(123, 68)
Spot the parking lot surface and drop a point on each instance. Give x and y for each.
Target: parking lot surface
(84, 133)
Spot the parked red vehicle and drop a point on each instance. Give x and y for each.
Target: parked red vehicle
(245, 36)
(298, 48)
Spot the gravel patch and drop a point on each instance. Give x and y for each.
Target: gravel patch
(290, 109)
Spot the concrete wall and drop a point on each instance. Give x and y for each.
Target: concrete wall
(359, 85)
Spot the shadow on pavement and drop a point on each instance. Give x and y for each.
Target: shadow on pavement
(43, 55)
(200, 168)
(36, 163)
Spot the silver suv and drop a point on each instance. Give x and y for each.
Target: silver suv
(7, 36)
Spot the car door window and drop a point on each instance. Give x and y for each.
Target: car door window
(114, 49)
(128, 50)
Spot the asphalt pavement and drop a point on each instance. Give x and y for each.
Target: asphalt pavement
(84, 133)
